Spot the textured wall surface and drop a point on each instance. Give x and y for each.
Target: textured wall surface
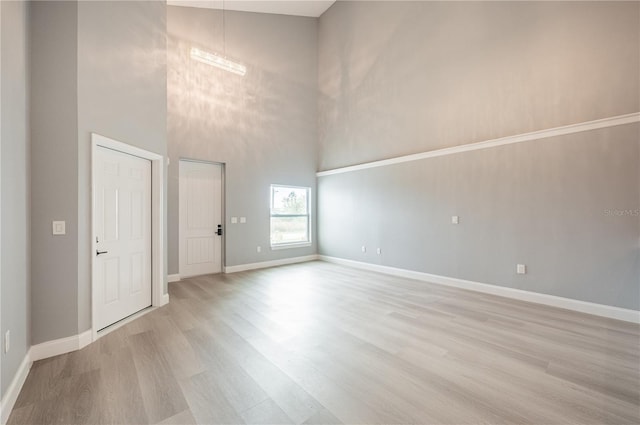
(122, 94)
(411, 77)
(15, 190)
(549, 204)
(97, 67)
(262, 125)
(54, 169)
(404, 77)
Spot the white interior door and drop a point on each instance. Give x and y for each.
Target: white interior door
(200, 218)
(122, 223)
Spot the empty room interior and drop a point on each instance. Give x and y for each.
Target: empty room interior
(320, 212)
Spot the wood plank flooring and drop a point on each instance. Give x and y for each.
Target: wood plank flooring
(318, 343)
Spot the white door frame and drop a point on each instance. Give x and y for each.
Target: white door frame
(223, 208)
(158, 297)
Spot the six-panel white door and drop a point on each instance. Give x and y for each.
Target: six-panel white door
(122, 222)
(200, 215)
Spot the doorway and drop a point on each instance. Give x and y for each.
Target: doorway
(200, 216)
(127, 231)
(122, 235)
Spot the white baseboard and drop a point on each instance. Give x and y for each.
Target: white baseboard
(265, 264)
(611, 312)
(173, 278)
(11, 395)
(84, 339)
(165, 300)
(61, 346)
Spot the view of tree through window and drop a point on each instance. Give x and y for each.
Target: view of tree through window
(290, 220)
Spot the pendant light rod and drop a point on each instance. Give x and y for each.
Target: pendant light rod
(216, 60)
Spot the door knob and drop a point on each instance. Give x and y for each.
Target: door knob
(101, 252)
(219, 231)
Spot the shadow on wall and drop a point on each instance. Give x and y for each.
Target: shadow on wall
(229, 112)
(398, 78)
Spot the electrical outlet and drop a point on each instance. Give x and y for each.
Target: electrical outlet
(258, 249)
(364, 248)
(234, 220)
(379, 251)
(521, 269)
(455, 219)
(243, 220)
(7, 341)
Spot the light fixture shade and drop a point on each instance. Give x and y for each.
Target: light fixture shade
(218, 61)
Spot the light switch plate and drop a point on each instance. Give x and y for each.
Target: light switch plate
(455, 219)
(59, 228)
(521, 269)
(243, 220)
(234, 220)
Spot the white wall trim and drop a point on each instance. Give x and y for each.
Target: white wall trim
(61, 346)
(165, 300)
(35, 353)
(84, 339)
(11, 395)
(273, 263)
(173, 278)
(611, 312)
(535, 135)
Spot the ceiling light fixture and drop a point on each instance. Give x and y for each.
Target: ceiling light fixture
(216, 60)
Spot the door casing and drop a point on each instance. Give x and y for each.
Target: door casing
(158, 274)
(223, 244)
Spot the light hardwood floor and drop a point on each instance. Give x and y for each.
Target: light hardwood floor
(319, 343)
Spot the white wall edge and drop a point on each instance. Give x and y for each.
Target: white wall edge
(602, 310)
(11, 395)
(164, 300)
(84, 339)
(35, 353)
(107, 142)
(61, 346)
(525, 137)
(265, 264)
(173, 278)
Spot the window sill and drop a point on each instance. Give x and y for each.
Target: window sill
(290, 245)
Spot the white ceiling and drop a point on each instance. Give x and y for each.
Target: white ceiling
(312, 8)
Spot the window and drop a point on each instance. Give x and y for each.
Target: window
(290, 217)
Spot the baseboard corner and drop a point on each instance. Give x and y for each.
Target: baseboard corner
(272, 263)
(11, 395)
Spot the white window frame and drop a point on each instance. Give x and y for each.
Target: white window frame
(308, 215)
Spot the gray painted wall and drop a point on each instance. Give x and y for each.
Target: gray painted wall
(262, 125)
(122, 94)
(15, 186)
(410, 77)
(98, 67)
(403, 77)
(54, 173)
(542, 203)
